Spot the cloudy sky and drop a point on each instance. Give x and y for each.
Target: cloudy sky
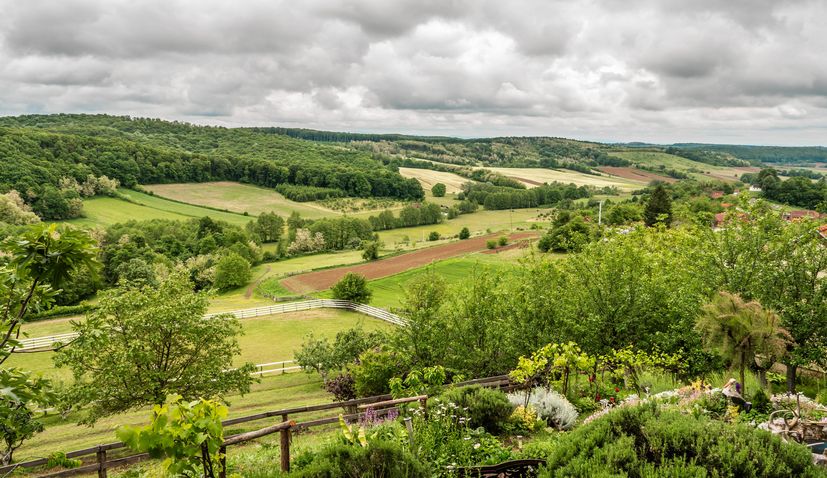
(733, 71)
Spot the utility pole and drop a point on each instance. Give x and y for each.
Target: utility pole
(511, 219)
(600, 213)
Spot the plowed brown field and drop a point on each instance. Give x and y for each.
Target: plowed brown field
(321, 280)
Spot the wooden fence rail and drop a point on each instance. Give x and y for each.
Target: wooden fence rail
(383, 403)
(39, 343)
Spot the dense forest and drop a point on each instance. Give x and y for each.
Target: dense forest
(39, 151)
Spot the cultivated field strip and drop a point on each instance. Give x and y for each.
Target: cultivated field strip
(376, 312)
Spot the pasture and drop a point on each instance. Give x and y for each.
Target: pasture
(266, 339)
(533, 177)
(453, 182)
(695, 169)
(103, 211)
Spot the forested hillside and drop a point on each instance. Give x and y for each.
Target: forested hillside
(37, 152)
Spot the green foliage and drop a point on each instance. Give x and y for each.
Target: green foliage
(231, 271)
(378, 459)
(568, 236)
(433, 236)
(484, 407)
(300, 193)
(411, 215)
(502, 241)
(498, 197)
(352, 287)
(658, 208)
(491, 244)
(142, 344)
(59, 459)
(425, 381)
(326, 358)
(188, 435)
(742, 332)
(647, 441)
(438, 190)
(370, 250)
(374, 371)
(464, 233)
(268, 226)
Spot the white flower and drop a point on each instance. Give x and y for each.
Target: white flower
(476, 446)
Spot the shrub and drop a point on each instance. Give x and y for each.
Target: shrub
(464, 233)
(648, 441)
(502, 241)
(342, 387)
(761, 402)
(552, 407)
(438, 190)
(352, 287)
(491, 244)
(486, 408)
(377, 460)
(524, 421)
(375, 370)
(370, 250)
(433, 236)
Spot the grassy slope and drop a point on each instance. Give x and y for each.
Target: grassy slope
(477, 222)
(267, 339)
(428, 178)
(238, 198)
(104, 211)
(543, 175)
(699, 170)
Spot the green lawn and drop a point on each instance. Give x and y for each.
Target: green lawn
(266, 339)
(103, 211)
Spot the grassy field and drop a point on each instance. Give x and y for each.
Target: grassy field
(103, 211)
(266, 339)
(389, 291)
(428, 178)
(695, 169)
(238, 198)
(478, 222)
(543, 175)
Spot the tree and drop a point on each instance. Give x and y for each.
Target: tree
(741, 331)
(352, 287)
(268, 226)
(14, 211)
(325, 358)
(433, 236)
(231, 271)
(464, 233)
(35, 265)
(370, 250)
(423, 338)
(438, 190)
(145, 343)
(659, 207)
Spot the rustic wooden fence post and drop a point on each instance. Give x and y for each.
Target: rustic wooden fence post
(285, 446)
(101, 457)
(222, 473)
(423, 403)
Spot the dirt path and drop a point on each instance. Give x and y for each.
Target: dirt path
(321, 280)
(252, 287)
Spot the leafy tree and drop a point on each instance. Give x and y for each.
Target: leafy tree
(189, 434)
(352, 287)
(464, 233)
(423, 338)
(433, 236)
(306, 241)
(570, 236)
(268, 226)
(231, 271)
(438, 190)
(742, 331)
(35, 265)
(14, 211)
(136, 271)
(326, 358)
(658, 208)
(370, 250)
(143, 344)
(502, 241)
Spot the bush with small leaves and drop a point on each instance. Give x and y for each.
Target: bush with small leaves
(491, 244)
(438, 190)
(352, 287)
(433, 236)
(464, 233)
(342, 387)
(486, 408)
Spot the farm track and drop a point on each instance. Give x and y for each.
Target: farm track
(322, 280)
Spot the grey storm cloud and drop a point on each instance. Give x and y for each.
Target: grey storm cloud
(650, 70)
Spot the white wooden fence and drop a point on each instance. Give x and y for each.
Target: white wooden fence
(381, 314)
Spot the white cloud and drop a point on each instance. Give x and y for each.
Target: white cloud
(651, 70)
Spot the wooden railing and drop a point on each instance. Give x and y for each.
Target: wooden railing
(40, 343)
(383, 404)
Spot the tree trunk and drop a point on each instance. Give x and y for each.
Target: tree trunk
(742, 376)
(762, 378)
(791, 371)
